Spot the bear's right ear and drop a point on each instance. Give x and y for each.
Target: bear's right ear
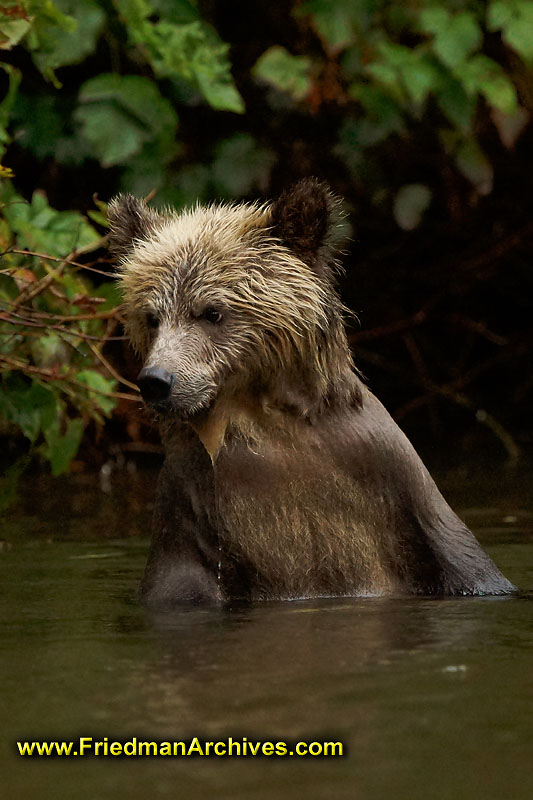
(302, 215)
(129, 219)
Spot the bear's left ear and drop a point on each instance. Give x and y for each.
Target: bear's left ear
(129, 219)
(301, 216)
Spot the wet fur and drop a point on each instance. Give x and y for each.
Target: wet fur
(284, 476)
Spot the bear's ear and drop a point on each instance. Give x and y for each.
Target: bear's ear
(301, 216)
(129, 219)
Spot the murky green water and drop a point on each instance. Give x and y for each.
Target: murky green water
(432, 698)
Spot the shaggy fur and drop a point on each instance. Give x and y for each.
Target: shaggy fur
(284, 476)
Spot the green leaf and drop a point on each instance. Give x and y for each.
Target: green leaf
(499, 15)
(31, 18)
(40, 227)
(144, 173)
(26, 406)
(519, 35)
(47, 12)
(100, 386)
(58, 47)
(352, 141)
(482, 74)
(420, 78)
(134, 12)
(339, 23)
(181, 45)
(410, 204)
(455, 103)
(112, 295)
(12, 31)
(407, 72)
(97, 217)
(9, 481)
(510, 126)
(334, 28)
(380, 107)
(8, 288)
(388, 76)
(286, 72)
(475, 166)
(240, 166)
(434, 20)
(36, 124)
(114, 138)
(333, 24)
(49, 22)
(6, 105)
(119, 114)
(192, 184)
(179, 12)
(456, 36)
(515, 20)
(61, 447)
(195, 53)
(217, 86)
(396, 55)
(49, 349)
(72, 284)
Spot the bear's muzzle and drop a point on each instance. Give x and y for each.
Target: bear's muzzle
(155, 384)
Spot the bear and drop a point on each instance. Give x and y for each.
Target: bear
(284, 476)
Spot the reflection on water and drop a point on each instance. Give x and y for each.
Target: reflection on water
(433, 698)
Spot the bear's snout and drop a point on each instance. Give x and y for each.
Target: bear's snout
(155, 384)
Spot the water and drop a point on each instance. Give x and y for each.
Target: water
(432, 698)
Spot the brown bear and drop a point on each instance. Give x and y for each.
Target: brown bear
(284, 476)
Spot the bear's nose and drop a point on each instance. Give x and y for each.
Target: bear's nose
(155, 384)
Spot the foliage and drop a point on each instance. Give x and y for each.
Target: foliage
(181, 45)
(444, 65)
(397, 66)
(53, 325)
(285, 71)
(124, 116)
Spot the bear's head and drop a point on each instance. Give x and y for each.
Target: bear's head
(234, 300)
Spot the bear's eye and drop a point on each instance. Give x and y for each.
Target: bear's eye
(152, 320)
(212, 315)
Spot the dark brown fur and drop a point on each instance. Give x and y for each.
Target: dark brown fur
(284, 476)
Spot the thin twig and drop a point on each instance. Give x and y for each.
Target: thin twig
(68, 260)
(111, 369)
(50, 375)
(423, 377)
(388, 330)
(23, 322)
(478, 327)
(452, 394)
(109, 314)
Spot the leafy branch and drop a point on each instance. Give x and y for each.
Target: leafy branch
(55, 383)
